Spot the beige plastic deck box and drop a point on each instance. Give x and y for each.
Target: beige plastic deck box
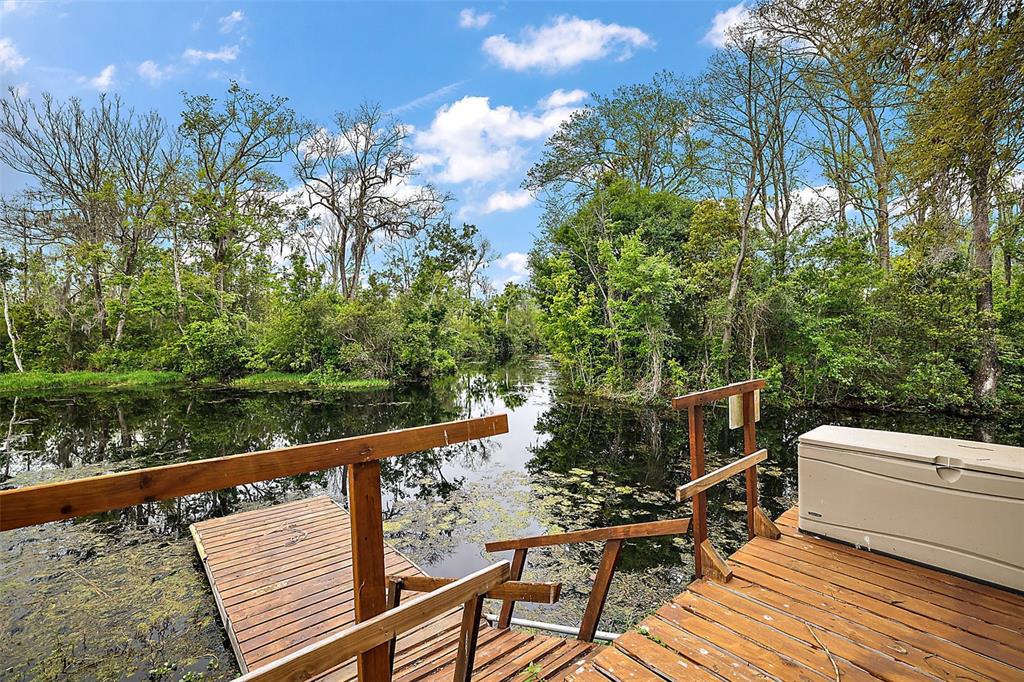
(954, 504)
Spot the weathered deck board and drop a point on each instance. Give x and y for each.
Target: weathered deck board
(801, 608)
(282, 578)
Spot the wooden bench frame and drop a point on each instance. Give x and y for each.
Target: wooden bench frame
(361, 455)
(613, 538)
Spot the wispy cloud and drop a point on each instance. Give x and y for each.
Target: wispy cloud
(11, 60)
(152, 72)
(102, 81)
(503, 201)
(470, 18)
(432, 96)
(516, 267)
(723, 22)
(224, 54)
(564, 43)
(229, 22)
(8, 6)
(562, 98)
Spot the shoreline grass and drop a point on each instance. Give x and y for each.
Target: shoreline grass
(17, 382)
(12, 383)
(270, 380)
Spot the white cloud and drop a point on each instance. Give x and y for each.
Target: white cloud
(469, 140)
(102, 81)
(229, 22)
(152, 72)
(561, 98)
(224, 54)
(506, 201)
(11, 6)
(566, 42)
(10, 59)
(470, 18)
(516, 264)
(723, 22)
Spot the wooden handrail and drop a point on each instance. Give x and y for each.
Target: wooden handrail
(647, 529)
(55, 501)
(713, 394)
(613, 537)
(322, 656)
(699, 485)
(537, 593)
(694, 404)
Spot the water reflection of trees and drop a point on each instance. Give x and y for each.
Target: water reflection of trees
(94, 432)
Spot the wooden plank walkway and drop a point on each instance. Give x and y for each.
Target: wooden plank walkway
(282, 578)
(803, 608)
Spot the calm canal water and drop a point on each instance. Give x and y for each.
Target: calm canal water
(122, 595)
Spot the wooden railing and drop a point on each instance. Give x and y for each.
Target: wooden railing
(541, 593)
(380, 631)
(613, 538)
(32, 505)
(704, 553)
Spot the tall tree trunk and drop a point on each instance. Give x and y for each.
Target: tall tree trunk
(986, 374)
(11, 334)
(178, 298)
(101, 309)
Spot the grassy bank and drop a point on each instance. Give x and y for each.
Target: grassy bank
(21, 382)
(270, 380)
(32, 382)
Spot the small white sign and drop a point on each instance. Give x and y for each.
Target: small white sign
(736, 409)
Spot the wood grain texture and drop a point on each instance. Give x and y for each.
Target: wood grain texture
(297, 604)
(55, 501)
(801, 607)
(749, 447)
(537, 593)
(509, 605)
(695, 416)
(711, 395)
(648, 529)
(374, 633)
(715, 566)
(699, 485)
(599, 592)
(367, 532)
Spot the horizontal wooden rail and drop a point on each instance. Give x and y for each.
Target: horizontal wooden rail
(55, 501)
(337, 649)
(699, 485)
(537, 593)
(714, 394)
(613, 537)
(632, 530)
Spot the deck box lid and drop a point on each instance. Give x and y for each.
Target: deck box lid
(1004, 460)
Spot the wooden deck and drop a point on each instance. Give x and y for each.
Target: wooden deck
(282, 578)
(803, 608)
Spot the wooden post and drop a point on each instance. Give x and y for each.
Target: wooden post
(518, 564)
(700, 503)
(749, 446)
(599, 593)
(468, 635)
(364, 506)
(394, 600)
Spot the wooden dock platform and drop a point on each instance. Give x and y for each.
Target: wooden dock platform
(282, 578)
(804, 608)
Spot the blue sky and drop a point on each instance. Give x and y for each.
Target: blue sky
(482, 83)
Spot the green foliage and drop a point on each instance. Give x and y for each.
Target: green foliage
(214, 348)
